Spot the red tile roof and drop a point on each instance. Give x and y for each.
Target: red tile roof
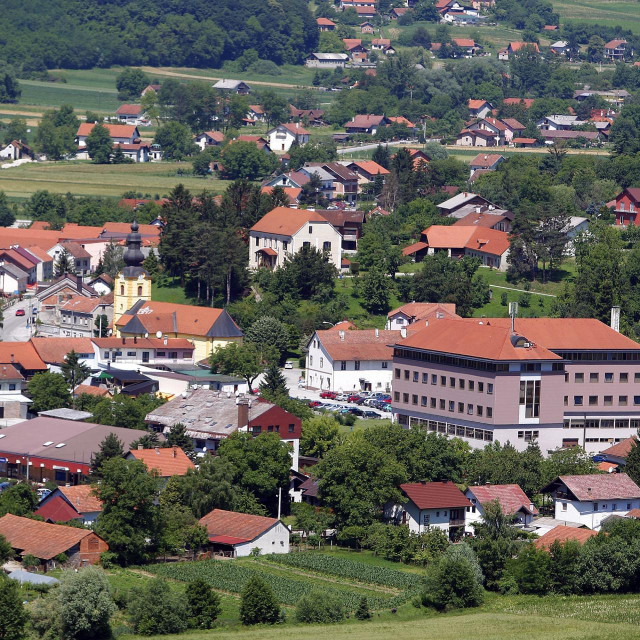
(620, 449)
(9, 372)
(143, 343)
(561, 533)
(526, 102)
(602, 486)
(54, 350)
(483, 219)
(286, 222)
(634, 513)
(488, 241)
(39, 253)
(524, 140)
(516, 46)
(129, 110)
(82, 498)
(364, 121)
(243, 527)
(420, 310)
(22, 353)
(115, 130)
(90, 390)
(607, 467)
(171, 461)
(614, 44)
(484, 160)
(510, 496)
(295, 129)
(363, 344)
(57, 509)
(293, 193)
(514, 124)
(463, 42)
(325, 22)
(351, 43)
(82, 304)
(13, 256)
(401, 120)
(41, 539)
(414, 248)
(369, 166)
(435, 495)
(474, 339)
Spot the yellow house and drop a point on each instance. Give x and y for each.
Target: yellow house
(136, 315)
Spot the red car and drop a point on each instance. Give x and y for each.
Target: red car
(354, 397)
(314, 403)
(329, 395)
(20, 312)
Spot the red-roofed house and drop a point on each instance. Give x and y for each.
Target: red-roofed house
(617, 50)
(367, 170)
(209, 139)
(130, 114)
(324, 24)
(488, 161)
(525, 102)
(562, 534)
(237, 534)
(479, 108)
(439, 505)
(627, 206)
(513, 47)
(284, 135)
(619, 451)
(70, 503)
(512, 499)
(366, 124)
(167, 462)
(120, 133)
(589, 499)
(419, 312)
(283, 232)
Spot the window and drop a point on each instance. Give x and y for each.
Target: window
(306, 245)
(614, 507)
(636, 377)
(414, 399)
(311, 361)
(292, 428)
(432, 403)
(423, 401)
(385, 364)
(608, 401)
(480, 387)
(479, 409)
(593, 401)
(443, 381)
(578, 377)
(434, 378)
(622, 401)
(173, 355)
(489, 387)
(396, 373)
(406, 374)
(628, 506)
(472, 384)
(326, 246)
(461, 383)
(270, 428)
(121, 289)
(310, 229)
(470, 409)
(460, 407)
(285, 244)
(452, 405)
(564, 506)
(425, 378)
(426, 518)
(343, 365)
(452, 383)
(566, 400)
(12, 386)
(489, 412)
(405, 398)
(321, 362)
(595, 506)
(396, 396)
(530, 398)
(577, 401)
(442, 404)
(624, 377)
(356, 365)
(636, 400)
(139, 290)
(159, 354)
(608, 377)
(416, 376)
(593, 377)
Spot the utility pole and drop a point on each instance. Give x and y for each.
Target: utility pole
(279, 501)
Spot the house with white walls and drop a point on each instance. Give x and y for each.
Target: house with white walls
(512, 500)
(590, 499)
(284, 135)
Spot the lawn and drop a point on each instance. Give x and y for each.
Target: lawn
(609, 13)
(87, 179)
(356, 312)
(173, 293)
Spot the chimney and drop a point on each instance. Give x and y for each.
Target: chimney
(478, 208)
(135, 339)
(426, 323)
(175, 451)
(403, 332)
(79, 283)
(140, 447)
(615, 318)
(589, 490)
(165, 341)
(13, 358)
(157, 450)
(377, 333)
(341, 334)
(243, 413)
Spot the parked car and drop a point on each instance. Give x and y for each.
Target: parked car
(20, 312)
(43, 492)
(315, 404)
(342, 397)
(370, 414)
(386, 407)
(354, 397)
(288, 364)
(330, 395)
(356, 411)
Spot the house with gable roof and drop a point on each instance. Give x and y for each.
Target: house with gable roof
(590, 499)
(70, 503)
(479, 108)
(412, 312)
(283, 231)
(512, 500)
(208, 139)
(166, 462)
(324, 24)
(236, 535)
(626, 206)
(514, 47)
(431, 505)
(233, 86)
(120, 133)
(284, 135)
(366, 123)
(617, 50)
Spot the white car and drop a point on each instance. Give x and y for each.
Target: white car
(341, 397)
(288, 364)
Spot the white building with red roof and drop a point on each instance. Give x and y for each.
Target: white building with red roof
(419, 312)
(282, 137)
(590, 499)
(512, 499)
(431, 505)
(238, 534)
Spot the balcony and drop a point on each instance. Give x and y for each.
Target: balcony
(456, 522)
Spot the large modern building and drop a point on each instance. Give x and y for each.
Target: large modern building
(561, 381)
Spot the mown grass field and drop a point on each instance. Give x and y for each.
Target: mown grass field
(608, 13)
(86, 179)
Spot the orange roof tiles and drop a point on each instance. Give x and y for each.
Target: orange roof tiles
(41, 539)
(562, 533)
(434, 495)
(293, 193)
(90, 390)
(241, 526)
(484, 160)
(510, 496)
(473, 339)
(22, 353)
(13, 256)
(401, 120)
(129, 110)
(458, 237)
(365, 344)
(54, 350)
(476, 104)
(115, 130)
(602, 486)
(371, 167)
(82, 304)
(82, 498)
(39, 253)
(620, 449)
(325, 22)
(516, 46)
(286, 222)
(170, 461)
(463, 42)
(420, 310)
(607, 467)
(9, 372)
(525, 102)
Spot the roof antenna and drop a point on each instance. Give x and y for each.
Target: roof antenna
(513, 312)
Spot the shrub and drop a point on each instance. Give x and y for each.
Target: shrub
(13, 617)
(362, 612)
(452, 585)
(29, 561)
(258, 603)
(155, 608)
(530, 571)
(204, 604)
(319, 607)
(463, 550)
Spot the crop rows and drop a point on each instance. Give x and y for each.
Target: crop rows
(346, 568)
(230, 576)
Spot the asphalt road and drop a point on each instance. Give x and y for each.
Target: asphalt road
(15, 327)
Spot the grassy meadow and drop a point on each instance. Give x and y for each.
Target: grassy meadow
(609, 13)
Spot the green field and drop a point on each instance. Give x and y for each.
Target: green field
(87, 179)
(609, 13)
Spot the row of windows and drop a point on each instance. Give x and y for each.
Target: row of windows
(76, 320)
(139, 290)
(482, 365)
(343, 364)
(447, 428)
(607, 401)
(452, 382)
(601, 423)
(11, 386)
(255, 429)
(599, 355)
(607, 377)
(444, 405)
(528, 436)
